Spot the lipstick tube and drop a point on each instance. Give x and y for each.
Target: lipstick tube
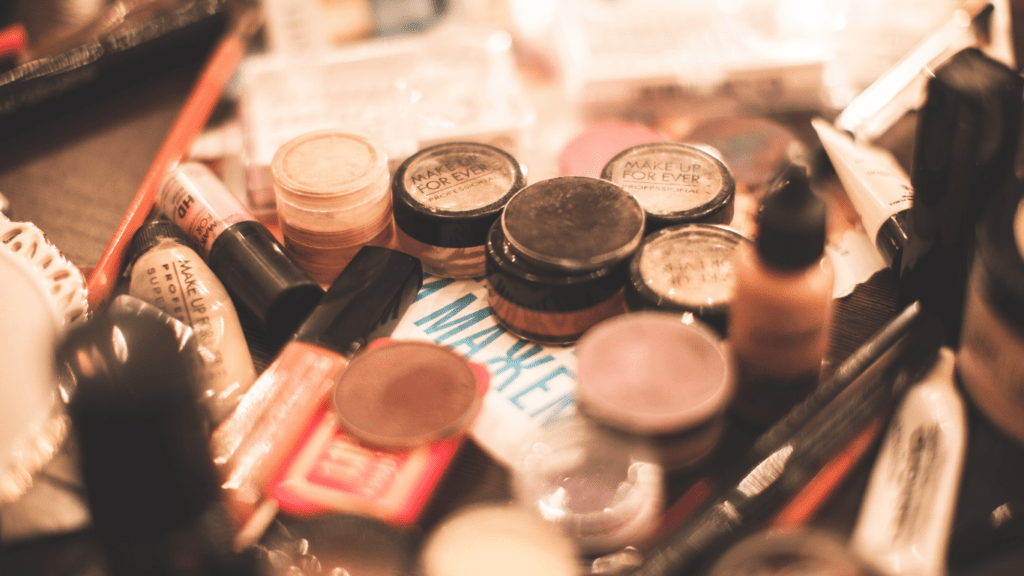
(244, 255)
(365, 302)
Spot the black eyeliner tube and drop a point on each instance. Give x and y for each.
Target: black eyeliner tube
(774, 478)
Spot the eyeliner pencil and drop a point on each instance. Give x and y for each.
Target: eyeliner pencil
(216, 73)
(821, 487)
(774, 478)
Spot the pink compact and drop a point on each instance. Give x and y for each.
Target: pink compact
(587, 153)
(655, 375)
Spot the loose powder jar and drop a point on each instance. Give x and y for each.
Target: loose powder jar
(445, 199)
(557, 260)
(656, 376)
(675, 183)
(685, 268)
(332, 199)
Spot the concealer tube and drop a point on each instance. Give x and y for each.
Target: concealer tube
(365, 302)
(167, 273)
(906, 515)
(246, 257)
(558, 258)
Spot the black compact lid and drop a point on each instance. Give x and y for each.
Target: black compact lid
(255, 269)
(143, 441)
(152, 233)
(448, 195)
(675, 183)
(543, 289)
(791, 223)
(573, 223)
(366, 301)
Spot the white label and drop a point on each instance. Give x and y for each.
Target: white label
(875, 183)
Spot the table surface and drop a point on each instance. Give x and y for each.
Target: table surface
(73, 167)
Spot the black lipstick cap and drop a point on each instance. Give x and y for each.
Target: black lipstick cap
(366, 300)
(255, 269)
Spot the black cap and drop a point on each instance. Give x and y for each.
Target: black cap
(493, 176)
(365, 302)
(573, 224)
(255, 269)
(791, 223)
(533, 287)
(143, 442)
(152, 233)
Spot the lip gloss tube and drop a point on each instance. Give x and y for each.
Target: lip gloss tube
(244, 255)
(365, 302)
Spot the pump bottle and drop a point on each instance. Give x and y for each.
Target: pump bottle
(782, 304)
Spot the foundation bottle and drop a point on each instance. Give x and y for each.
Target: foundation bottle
(333, 197)
(167, 273)
(782, 304)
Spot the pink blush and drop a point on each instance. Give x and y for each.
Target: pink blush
(587, 153)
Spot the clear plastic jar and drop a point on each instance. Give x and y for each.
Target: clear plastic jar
(333, 197)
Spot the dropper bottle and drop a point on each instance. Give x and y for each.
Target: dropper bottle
(782, 304)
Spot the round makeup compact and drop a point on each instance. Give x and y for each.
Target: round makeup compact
(497, 540)
(332, 199)
(685, 268)
(557, 259)
(756, 148)
(651, 374)
(445, 199)
(601, 488)
(675, 183)
(405, 394)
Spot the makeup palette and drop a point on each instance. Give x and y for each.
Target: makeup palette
(686, 268)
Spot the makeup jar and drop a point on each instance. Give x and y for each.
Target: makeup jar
(686, 268)
(558, 258)
(675, 183)
(990, 359)
(498, 540)
(332, 199)
(445, 199)
(602, 488)
(652, 374)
